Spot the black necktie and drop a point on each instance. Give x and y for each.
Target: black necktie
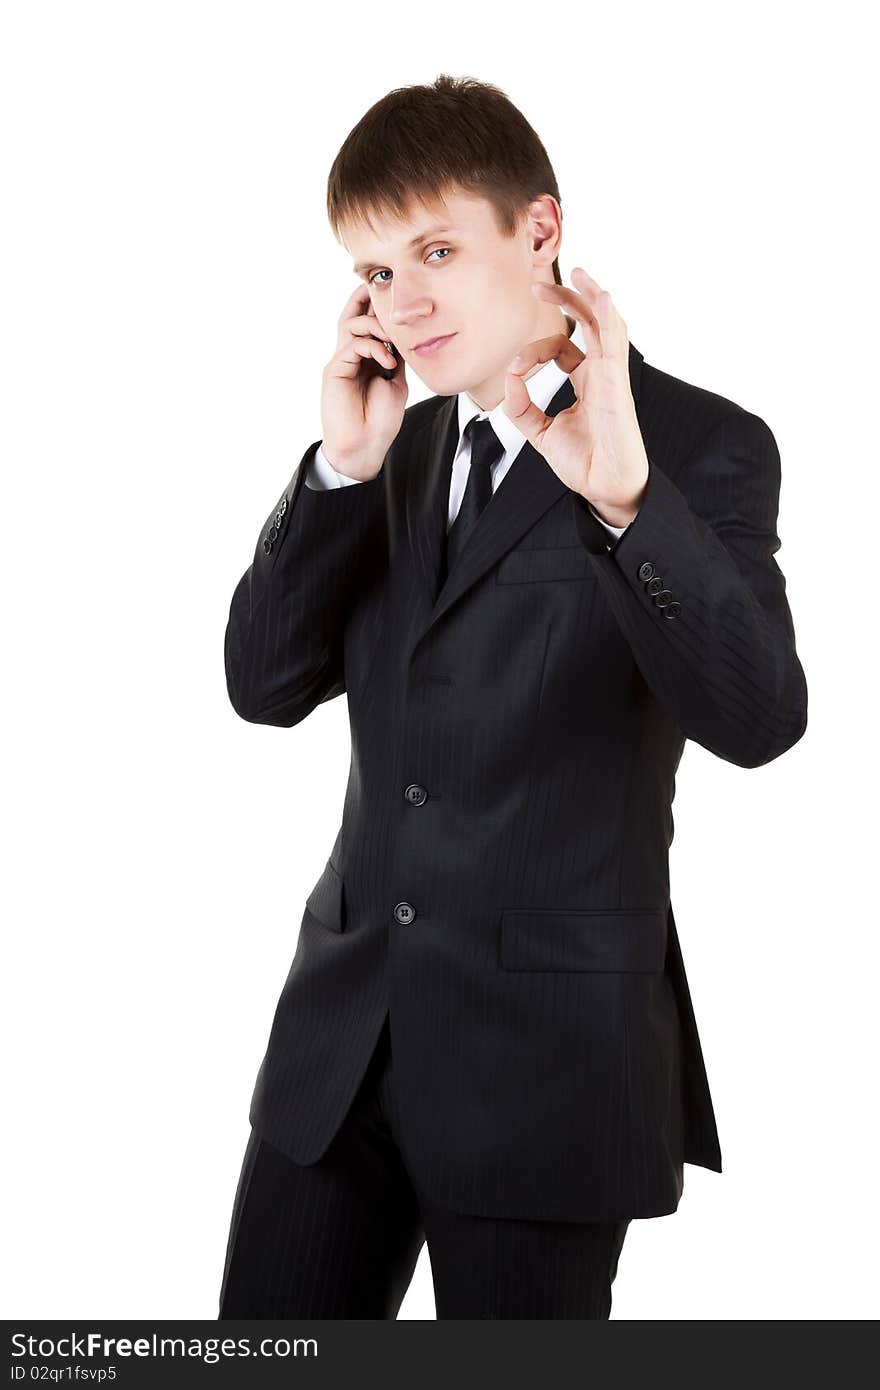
(486, 449)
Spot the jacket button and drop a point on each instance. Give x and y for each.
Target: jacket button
(663, 598)
(654, 585)
(271, 533)
(267, 544)
(646, 570)
(415, 794)
(672, 610)
(404, 912)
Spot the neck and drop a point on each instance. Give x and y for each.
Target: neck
(491, 392)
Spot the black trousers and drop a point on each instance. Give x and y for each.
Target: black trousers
(340, 1238)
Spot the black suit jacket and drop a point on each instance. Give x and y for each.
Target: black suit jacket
(500, 878)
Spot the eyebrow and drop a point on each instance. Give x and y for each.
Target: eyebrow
(416, 241)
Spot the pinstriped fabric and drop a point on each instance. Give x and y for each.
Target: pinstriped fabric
(340, 1238)
(499, 884)
(727, 664)
(282, 640)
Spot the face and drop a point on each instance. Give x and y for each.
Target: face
(448, 272)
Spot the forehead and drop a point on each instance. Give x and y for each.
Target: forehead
(380, 234)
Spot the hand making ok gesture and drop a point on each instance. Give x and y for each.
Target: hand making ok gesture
(595, 446)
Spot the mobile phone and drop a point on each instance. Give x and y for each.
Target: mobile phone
(388, 372)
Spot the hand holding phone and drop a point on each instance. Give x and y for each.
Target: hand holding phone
(364, 392)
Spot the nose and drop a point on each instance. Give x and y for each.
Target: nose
(407, 306)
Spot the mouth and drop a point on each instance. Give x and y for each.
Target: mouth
(432, 345)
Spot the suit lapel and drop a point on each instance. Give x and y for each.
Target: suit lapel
(528, 488)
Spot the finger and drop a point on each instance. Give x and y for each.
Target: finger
(358, 310)
(558, 347)
(359, 296)
(612, 326)
(371, 347)
(580, 308)
(578, 273)
(364, 324)
(347, 361)
(575, 305)
(522, 411)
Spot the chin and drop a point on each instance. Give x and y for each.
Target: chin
(445, 378)
(442, 383)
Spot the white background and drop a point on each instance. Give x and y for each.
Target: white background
(170, 295)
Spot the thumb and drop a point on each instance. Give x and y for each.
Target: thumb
(521, 410)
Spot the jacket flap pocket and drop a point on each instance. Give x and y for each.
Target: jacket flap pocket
(583, 939)
(326, 899)
(558, 562)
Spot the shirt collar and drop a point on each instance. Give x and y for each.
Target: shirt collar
(542, 387)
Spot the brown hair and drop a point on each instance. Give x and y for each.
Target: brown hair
(422, 141)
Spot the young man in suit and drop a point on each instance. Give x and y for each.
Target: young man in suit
(532, 588)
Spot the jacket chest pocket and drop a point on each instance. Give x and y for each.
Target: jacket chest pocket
(545, 564)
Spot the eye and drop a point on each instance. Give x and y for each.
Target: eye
(373, 281)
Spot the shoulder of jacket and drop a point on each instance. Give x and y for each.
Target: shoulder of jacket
(670, 404)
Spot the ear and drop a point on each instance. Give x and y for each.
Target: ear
(545, 229)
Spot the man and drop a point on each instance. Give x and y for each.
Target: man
(532, 587)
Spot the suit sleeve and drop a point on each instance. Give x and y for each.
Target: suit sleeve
(700, 599)
(283, 645)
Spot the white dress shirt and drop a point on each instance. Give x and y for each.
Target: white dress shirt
(542, 387)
